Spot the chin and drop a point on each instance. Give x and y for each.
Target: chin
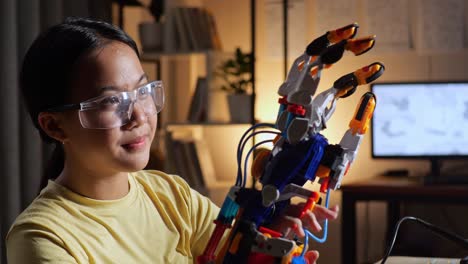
(135, 161)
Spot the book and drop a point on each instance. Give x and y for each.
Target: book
(194, 26)
(169, 165)
(204, 27)
(194, 175)
(196, 163)
(182, 31)
(190, 29)
(214, 34)
(206, 163)
(180, 162)
(198, 110)
(188, 22)
(169, 40)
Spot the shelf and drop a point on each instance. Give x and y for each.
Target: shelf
(155, 55)
(207, 124)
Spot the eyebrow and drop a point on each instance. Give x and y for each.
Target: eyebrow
(114, 88)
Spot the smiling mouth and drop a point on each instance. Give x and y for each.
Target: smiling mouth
(136, 144)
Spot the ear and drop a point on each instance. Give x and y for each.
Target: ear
(51, 125)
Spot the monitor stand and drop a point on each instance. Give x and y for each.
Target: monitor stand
(435, 177)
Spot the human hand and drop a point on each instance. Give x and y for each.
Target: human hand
(312, 256)
(311, 220)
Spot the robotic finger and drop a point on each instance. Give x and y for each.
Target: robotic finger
(361, 45)
(310, 59)
(347, 84)
(318, 45)
(338, 158)
(306, 82)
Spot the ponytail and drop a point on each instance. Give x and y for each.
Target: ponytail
(54, 166)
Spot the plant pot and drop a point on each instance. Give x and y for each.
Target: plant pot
(151, 36)
(240, 108)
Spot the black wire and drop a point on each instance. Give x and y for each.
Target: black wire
(455, 227)
(447, 235)
(242, 143)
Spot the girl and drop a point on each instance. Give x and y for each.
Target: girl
(86, 92)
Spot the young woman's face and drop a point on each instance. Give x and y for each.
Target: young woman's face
(108, 70)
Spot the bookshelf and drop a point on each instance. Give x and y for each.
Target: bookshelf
(217, 137)
(215, 144)
(179, 69)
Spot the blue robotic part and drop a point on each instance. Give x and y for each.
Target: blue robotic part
(297, 167)
(228, 211)
(292, 162)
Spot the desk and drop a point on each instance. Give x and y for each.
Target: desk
(413, 260)
(393, 191)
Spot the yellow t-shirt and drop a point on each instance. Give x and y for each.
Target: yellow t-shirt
(160, 220)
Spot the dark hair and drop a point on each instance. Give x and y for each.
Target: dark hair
(48, 66)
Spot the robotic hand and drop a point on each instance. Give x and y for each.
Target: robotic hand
(300, 154)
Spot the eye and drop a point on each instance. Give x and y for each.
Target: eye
(109, 101)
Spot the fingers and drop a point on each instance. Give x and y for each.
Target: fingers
(293, 226)
(312, 256)
(310, 220)
(323, 213)
(290, 225)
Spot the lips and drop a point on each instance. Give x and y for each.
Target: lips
(135, 143)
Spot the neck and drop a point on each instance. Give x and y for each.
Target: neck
(94, 184)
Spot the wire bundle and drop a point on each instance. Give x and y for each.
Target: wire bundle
(241, 178)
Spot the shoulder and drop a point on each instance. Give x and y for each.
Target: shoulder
(163, 188)
(172, 187)
(156, 177)
(46, 211)
(34, 233)
(158, 181)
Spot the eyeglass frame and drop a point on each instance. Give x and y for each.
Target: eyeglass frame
(82, 106)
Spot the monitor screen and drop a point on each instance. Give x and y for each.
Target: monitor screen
(420, 120)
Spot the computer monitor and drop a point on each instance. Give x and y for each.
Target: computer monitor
(421, 120)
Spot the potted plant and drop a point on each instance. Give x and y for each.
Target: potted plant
(151, 33)
(236, 74)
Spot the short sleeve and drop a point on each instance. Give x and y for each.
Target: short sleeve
(204, 212)
(32, 245)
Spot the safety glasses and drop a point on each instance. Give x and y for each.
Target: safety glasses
(110, 111)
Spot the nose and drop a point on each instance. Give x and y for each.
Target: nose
(138, 113)
(138, 116)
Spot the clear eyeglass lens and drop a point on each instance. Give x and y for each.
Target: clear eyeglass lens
(116, 110)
